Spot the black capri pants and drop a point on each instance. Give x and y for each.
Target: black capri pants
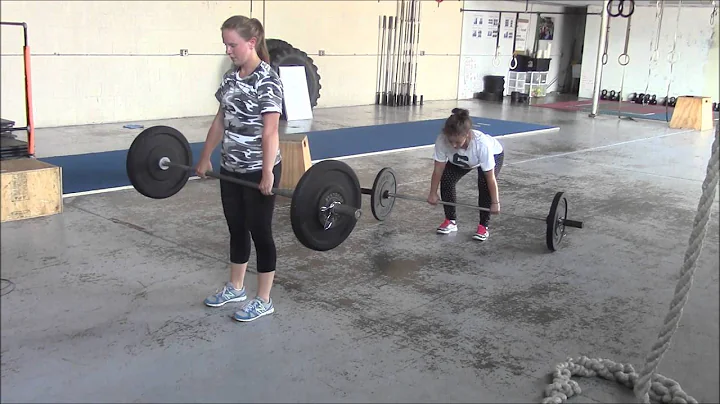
(450, 177)
(249, 216)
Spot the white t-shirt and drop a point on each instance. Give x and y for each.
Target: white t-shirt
(481, 151)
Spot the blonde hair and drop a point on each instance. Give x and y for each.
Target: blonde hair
(249, 28)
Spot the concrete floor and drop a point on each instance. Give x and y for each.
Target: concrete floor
(107, 305)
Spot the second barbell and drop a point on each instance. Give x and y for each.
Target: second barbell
(384, 193)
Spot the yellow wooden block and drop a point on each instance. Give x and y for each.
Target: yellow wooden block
(296, 160)
(30, 188)
(692, 112)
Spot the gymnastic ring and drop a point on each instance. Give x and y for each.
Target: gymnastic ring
(513, 63)
(621, 7)
(496, 61)
(604, 58)
(624, 57)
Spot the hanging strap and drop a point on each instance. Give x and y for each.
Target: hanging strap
(496, 58)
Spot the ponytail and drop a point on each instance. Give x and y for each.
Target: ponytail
(262, 50)
(458, 124)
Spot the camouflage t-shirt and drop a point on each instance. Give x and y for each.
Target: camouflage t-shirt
(244, 101)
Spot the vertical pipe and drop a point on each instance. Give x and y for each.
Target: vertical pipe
(378, 62)
(417, 54)
(400, 20)
(599, 59)
(391, 22)
(28, 94)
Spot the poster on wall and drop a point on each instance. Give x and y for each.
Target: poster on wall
(546, 29)
(508, 28)
(471, 78)
(521, 38)
(477, 25)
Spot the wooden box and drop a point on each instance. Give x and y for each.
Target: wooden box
(692, 113)
(296, 160)
(30, 188)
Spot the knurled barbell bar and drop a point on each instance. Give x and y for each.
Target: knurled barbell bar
(384, 193)
(325, 204)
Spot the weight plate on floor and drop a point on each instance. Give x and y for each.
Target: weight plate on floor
(384, 182)
(143, 162)
(555, 225)
(321, 182)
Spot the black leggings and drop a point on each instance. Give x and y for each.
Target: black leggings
(452, 174)
(249, 214)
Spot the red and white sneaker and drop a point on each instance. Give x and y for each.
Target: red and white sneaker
(447, 227)
(482, 233)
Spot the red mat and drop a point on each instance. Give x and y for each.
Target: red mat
(626, 106)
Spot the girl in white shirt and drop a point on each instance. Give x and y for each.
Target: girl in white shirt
(466, 149)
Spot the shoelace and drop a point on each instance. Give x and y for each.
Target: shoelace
(224, 293)
(253, 306)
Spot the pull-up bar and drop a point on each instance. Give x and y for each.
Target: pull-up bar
(30, 128)
(463, 10)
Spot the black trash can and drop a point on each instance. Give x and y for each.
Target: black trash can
(494, 84)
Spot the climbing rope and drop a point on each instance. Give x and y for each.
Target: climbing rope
(647, 385)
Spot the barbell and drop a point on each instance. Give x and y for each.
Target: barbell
(325, 204)
(384, 193)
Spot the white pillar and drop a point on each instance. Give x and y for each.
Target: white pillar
(599, 59)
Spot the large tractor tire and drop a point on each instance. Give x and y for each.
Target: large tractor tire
(284, 54)
(273, 44)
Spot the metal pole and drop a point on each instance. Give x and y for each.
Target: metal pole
(599, 59)
(476, 10)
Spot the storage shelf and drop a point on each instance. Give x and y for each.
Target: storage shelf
(534, 84)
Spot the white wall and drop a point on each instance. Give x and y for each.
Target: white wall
(476, 55)
(694, 73)
(118, 61)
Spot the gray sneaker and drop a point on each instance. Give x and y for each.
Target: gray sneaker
(254, 310)
(228, 294)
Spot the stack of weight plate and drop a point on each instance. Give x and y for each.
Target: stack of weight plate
(493, 88)
(10, 146)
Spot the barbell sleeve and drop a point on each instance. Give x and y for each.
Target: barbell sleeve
(573, 223)
(347, 210)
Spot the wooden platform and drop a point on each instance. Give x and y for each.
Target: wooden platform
(692, 112)
(30, 188)
(295, 152)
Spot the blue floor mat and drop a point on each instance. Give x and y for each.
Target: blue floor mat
(94, 171)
